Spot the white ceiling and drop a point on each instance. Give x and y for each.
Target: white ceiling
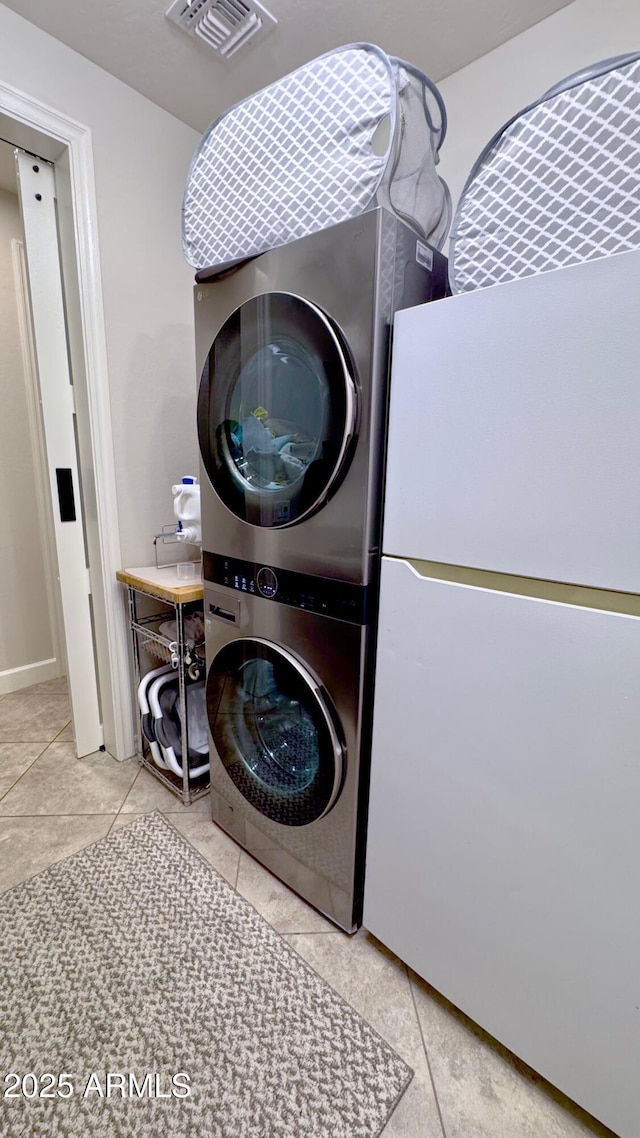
(135, 41)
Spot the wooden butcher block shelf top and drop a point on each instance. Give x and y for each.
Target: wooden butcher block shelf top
(163, 583)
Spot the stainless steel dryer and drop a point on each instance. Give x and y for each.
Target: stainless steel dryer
(293, 348)
(288, 706)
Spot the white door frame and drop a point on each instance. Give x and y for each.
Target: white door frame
(50, 134)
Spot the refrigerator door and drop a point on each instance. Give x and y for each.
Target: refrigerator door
(503, 842)
(515, 425)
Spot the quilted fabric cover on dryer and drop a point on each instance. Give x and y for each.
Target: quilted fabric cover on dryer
(298, 157)
(557, 185)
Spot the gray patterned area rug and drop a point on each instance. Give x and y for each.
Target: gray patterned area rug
(142, 996)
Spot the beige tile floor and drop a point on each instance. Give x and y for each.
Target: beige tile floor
(465, 1085)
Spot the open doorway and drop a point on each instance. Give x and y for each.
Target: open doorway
(61, 424)
(32, 647)
(45, 586)
(67, 172)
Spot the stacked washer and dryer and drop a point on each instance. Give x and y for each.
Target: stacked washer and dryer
(302, 261)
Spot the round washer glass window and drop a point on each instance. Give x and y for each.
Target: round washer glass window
(273, 732)
(276, 410)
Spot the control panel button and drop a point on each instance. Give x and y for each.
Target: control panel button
(267, 582)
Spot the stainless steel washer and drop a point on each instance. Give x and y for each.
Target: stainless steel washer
(288, 707)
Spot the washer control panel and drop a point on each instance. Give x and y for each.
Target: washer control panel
(339, 599)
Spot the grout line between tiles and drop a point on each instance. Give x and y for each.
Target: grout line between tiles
(426, 1053)
(34, 817)
(47, 742)
(21, 776)
(317, 932)
(121, 807)
(56, 737)
(124, 800)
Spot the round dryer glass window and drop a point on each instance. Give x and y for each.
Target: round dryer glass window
(276, 410)
(274, 732)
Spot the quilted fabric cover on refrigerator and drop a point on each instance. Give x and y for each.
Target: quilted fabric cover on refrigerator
(298, 157)
(558, 184)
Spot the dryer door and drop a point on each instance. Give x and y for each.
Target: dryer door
(276, 410)
(274, 731)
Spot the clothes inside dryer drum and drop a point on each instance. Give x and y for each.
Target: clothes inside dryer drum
(277, 410)
(273, 447)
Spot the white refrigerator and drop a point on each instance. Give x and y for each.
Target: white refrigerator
(503, 855)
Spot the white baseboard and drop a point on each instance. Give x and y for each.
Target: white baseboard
(14, 679)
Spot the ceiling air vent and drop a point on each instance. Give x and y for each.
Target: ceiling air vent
(227, 26)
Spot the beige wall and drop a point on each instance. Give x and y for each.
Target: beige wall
(141, 156)
(483, 96)
(25, 630)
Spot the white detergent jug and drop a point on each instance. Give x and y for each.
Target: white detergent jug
(186, 507)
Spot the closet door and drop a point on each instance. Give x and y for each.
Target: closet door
(37, 199)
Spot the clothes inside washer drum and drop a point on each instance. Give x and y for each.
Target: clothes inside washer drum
(557, 185)
(279, 745)
(277, 737)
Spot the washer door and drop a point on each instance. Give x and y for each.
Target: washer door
(274, 731)
(276, 410)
